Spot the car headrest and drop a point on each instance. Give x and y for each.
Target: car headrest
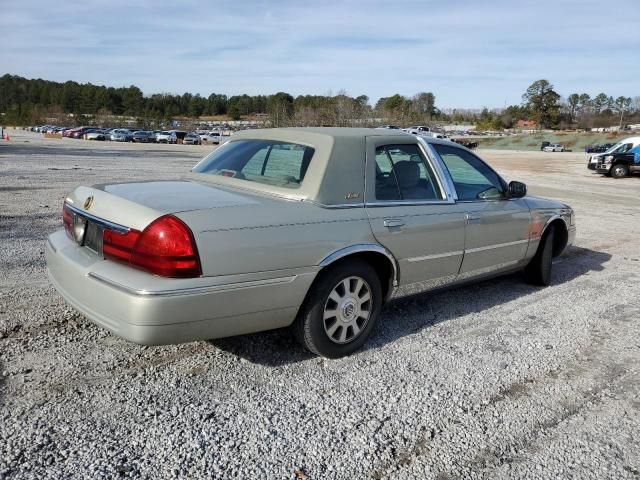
(407, 173)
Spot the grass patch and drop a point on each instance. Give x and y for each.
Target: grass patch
(576, 141)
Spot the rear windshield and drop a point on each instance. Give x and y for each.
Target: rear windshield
(281, 164)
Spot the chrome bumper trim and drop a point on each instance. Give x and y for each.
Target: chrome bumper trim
(192, 290)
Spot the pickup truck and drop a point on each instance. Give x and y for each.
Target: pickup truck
(622, 146)
(619, 165)
(312, 228)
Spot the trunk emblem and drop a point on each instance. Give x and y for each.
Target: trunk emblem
(88, 202)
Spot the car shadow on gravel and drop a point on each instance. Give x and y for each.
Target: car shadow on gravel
(412, 314)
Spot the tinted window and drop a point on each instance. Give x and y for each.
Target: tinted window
(403, 174)
(624, 148)
(266, 161)
(472, 178)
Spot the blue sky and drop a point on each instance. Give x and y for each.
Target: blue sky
(468, 53)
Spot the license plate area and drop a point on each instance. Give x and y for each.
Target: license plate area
(93, 237)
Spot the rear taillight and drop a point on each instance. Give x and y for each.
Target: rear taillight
(67, 219)
(119, 246)
(166, 248)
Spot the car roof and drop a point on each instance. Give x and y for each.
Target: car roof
(333, 132)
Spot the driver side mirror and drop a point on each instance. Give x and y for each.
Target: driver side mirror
(517, 190)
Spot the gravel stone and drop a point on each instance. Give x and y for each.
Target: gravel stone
(490, 381)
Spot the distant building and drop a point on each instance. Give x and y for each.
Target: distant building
(526, 124)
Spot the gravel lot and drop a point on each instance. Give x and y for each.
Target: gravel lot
(495, 380)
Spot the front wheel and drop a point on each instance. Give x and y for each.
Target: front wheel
(340, 310)
(619, 170)
(538, 272)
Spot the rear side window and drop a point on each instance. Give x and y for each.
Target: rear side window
(281, 164)
(403, 174)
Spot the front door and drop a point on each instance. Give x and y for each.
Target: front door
(410, 213)
(497, 228)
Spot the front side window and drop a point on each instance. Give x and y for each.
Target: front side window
(624, 148)
(281, 164)
(472, 178)
(403, 174)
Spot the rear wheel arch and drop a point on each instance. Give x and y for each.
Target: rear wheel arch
(382, 261)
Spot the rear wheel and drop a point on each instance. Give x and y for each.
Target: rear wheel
(538, 272)
(340, 310)
(619, 170)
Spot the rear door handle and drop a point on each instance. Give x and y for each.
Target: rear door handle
(393, 222)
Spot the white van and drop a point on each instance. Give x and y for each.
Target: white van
(621, 147)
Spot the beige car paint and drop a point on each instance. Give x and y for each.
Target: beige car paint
(262, 246)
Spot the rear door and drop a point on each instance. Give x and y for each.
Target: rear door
(410, 211)
(497, 230)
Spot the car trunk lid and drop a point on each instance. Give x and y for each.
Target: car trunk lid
(136, 204)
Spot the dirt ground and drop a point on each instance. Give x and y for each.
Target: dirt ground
(494, 380)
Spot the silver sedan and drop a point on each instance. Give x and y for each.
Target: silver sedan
(312, 228)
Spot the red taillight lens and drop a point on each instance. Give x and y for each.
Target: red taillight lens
(166, 247)
(67, 220)
(119, 246)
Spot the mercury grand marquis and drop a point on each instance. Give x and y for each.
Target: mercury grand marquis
(313, 228)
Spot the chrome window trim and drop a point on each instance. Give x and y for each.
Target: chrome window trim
(360, 248)
(448, 195)
(450, 180)
(406, 203)
(191, 290)
(99, 221)
(337, 205)
(440, 170)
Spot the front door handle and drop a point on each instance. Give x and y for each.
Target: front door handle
(473, 218)
(393, 222)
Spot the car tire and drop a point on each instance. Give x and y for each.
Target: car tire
(538, 272)
(341, 309)
(619, 170)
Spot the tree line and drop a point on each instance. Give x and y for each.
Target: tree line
(26, 101)
(32, 101)
(541, 103)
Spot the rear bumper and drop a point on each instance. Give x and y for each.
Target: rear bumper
(151, 310)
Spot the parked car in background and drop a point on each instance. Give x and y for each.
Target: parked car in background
(212, 137)
(166, 137)
(622, 146)
(141, 136)
(192, 139)
(598, 148)
(96, 134)
(310, 227)
(619, 165)
(121, 135)
(554, 147)
(390, 127)
(543, 145)
(417, 129)
(79, 132)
